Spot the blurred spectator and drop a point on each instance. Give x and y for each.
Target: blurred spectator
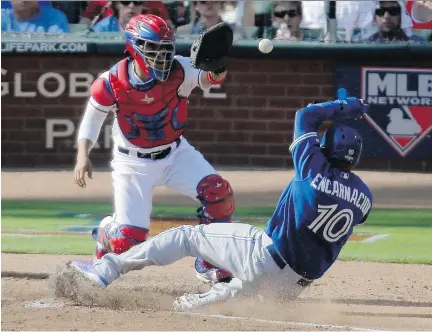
(123, 12)
(286, 20)
(31, 17)
(421, 14)
(243, 18)
(388, 21)
(369, 25)
(228, 12)
(179, 12)
(208, 14)
(72, 9)
(263, 14)
(350, 15)
(6, 4)
(94, 8)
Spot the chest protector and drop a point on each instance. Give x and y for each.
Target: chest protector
(153, 117)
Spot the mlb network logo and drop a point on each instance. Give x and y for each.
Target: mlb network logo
(400, 102)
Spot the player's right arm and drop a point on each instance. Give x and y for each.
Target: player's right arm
(305, 149)
(100, 103)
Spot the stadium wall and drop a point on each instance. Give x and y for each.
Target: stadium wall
(247, 121)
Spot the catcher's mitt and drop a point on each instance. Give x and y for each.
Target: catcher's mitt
(210, 51)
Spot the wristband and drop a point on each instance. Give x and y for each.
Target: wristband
(212, 81)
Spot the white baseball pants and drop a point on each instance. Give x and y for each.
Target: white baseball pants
(134, 179)
(238, 248)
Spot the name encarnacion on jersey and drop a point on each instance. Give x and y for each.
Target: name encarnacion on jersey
(348, 194)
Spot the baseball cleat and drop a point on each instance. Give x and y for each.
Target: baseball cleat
(214, 276)
(211, 274)
(102, 242)
(218, 293)
(87, 270)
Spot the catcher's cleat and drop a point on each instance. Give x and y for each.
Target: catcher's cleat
(100, 252)
(211, 274)
(118, 238)
(87, 270)
(218, 293)
(102, 242)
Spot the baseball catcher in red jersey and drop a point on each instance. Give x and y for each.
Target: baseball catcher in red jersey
(148, 94)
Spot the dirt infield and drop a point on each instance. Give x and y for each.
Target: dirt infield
(352, 296)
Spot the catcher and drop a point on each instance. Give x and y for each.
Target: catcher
(148, 94)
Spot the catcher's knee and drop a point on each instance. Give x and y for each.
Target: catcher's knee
(118, 238)
(217, 199)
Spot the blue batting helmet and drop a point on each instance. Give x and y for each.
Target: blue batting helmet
(342, 143)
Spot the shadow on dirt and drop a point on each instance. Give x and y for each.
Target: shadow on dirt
(374, 302)
(382, 314)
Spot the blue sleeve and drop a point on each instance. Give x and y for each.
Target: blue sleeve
(306, 154)
(101, 26)
(54, 20)
(417, 38)
(5, 19)
(307, 120)
(108, 24)
(305, 149)
(63, 23)
(307, 157)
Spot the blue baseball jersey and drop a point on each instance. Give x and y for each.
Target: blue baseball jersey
(48, 19)
(108, 24)
(318, 209)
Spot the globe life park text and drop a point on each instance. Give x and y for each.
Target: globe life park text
(52, 85)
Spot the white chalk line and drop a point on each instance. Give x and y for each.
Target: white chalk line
(375, 238)
(51, 303)
(281, 322)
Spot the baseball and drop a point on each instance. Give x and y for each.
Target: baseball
(265, 46)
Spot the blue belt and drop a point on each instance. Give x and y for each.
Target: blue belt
(281, 263)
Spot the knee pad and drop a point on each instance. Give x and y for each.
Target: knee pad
(118, 238)
(217, 199)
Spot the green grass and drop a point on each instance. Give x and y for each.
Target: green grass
(402, 245)
(60, 245)
(16, 224)
(409, 237)
(42, 210)
(409, 231)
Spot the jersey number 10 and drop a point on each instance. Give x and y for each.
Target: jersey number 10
(330, 219)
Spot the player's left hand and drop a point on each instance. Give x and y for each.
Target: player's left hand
(210, 51)
(351, 108)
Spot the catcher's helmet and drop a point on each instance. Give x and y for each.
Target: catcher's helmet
(342, 143)
(151, 42)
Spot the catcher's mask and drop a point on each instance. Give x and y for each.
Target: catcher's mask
(151, 43)
(342, 145)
